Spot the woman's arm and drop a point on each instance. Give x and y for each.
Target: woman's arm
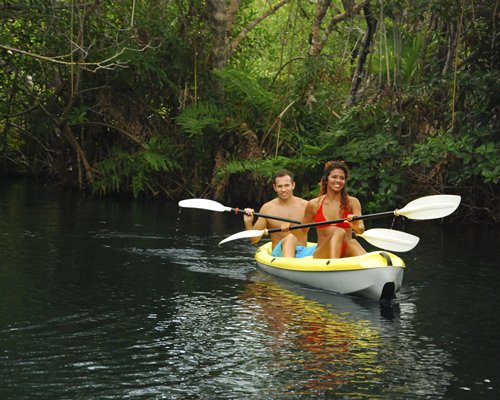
(308, 217)
(355, 206)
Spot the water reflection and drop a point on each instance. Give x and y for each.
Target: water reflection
(346, 346)
(328, 346)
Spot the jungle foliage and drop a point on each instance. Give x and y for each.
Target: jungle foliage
(210, 98)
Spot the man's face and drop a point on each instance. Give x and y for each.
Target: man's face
(283, 186)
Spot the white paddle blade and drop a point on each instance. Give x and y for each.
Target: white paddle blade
(203, 204)
(390, 239)
(431, 207)
(244, 235)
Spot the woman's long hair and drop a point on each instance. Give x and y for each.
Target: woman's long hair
(323, 184)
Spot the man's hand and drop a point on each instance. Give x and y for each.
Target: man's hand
(248, 215)
(285, 227)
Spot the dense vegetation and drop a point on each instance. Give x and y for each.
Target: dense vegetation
(182, 98)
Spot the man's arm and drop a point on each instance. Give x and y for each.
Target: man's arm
(260, 224)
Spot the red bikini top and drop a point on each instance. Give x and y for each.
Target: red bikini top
(319, 217)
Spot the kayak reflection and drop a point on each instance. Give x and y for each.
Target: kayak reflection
(332, 345)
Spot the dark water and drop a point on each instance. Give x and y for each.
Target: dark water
(102, 299)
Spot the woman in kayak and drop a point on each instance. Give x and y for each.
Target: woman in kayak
(335, 241)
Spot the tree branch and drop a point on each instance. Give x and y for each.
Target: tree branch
(89, 66)
(251, 25)
(354, 9)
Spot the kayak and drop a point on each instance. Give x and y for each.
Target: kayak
(376, 275)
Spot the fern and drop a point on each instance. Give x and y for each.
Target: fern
(199, 118)
(122, 172)
(245, 90)
(267, 167)
(156, 155)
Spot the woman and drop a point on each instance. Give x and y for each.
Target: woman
(335, 241)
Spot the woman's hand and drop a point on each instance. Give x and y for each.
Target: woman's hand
(356, 226)
(350, 218)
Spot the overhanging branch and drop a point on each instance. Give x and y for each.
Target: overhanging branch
(108, 63)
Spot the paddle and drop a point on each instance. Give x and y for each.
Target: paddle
(212, 205)
(388, 239)
(428, 207)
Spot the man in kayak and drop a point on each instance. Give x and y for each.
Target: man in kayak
(335, 241)
(286, 205)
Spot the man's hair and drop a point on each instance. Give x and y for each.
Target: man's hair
(283, 172)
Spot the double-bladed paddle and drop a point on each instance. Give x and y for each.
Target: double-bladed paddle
(388, 239)
(212, 205)
(428, 207)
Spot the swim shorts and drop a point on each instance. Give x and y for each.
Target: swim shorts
(300, 251)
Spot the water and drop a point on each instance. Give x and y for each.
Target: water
(104, 299)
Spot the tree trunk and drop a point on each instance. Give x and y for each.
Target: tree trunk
(318, 43)
(220, 18)
(218, 21)
(81, 156)
(359, 72)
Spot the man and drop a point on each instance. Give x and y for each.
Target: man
(285, 243)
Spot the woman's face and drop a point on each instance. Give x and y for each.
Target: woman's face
(336, 180)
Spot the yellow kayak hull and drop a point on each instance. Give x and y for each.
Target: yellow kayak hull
(377, 275)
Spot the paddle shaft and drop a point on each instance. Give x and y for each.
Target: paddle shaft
(335, 221)
(212, 205)
(237, 210)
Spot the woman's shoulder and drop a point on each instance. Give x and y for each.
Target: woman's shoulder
(316, 199)
(353, 202)
(314, 202)
(312, 207)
